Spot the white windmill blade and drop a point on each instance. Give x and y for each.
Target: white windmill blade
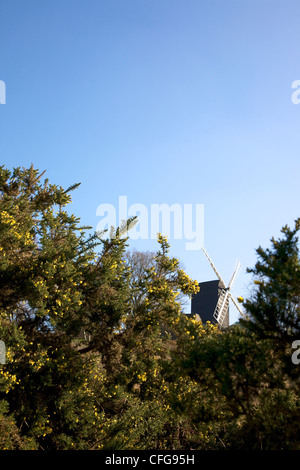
(221, 306)
(235, 273)
(213, 266)
(236, 305)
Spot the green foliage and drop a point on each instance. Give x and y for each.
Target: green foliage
(274, 308)
(100, 356)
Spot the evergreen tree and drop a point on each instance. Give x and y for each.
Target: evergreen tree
(45, 265)
(274, 309)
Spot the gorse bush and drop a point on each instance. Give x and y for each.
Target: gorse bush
(100, 356)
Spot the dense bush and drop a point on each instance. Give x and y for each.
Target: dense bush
(100, 358)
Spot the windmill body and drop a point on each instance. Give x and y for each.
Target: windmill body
(204, 303)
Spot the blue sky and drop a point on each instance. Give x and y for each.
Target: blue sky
(163, 101)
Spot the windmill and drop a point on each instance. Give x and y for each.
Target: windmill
(225, 295)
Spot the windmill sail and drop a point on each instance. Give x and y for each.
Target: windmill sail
(222, 306)
(214, 268)
(235, 274)
(237, 306)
